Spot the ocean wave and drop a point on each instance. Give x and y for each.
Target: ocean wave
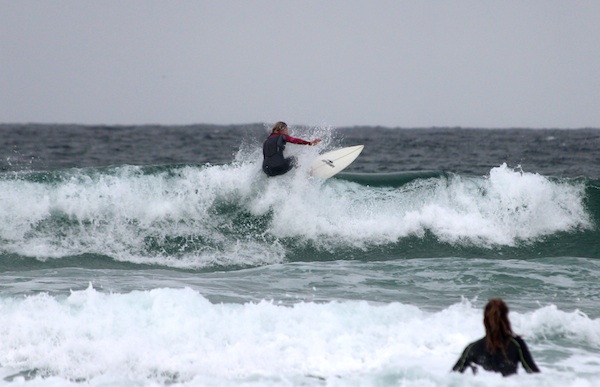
(194, 216)
(177, 336)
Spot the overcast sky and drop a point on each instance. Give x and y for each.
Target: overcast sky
(340, 63)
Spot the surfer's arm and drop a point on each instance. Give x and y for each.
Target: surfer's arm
(464, 361)
(300, 141)
(525, 356)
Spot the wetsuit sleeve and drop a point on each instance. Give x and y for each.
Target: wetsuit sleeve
(295, 140)
(525, 356)
(464, 361)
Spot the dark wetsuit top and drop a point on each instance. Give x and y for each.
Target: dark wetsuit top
(274, 162)
(517, 352)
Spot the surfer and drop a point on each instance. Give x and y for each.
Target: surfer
(500, 350)
(274, 163)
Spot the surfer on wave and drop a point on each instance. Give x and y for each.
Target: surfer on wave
(274, 162)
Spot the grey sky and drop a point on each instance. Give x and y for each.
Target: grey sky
(340, 63)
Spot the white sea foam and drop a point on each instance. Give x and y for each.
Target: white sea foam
(176, 335)
(505, 208)
(233, 214)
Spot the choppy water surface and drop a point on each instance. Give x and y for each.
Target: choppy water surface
(163, 255)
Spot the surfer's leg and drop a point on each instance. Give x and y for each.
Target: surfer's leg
(290, 163)
(276, 171)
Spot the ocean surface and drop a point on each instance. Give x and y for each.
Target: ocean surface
(156, 255)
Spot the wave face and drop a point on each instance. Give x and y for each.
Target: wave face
(191, 216)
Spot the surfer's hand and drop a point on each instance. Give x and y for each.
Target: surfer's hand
(315, 141)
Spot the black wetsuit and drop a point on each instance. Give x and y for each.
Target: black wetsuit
(275, 163)
(517, 352)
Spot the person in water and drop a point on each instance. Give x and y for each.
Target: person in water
(500, 350)
(274, 162)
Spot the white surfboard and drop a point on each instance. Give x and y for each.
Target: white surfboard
(331, 163)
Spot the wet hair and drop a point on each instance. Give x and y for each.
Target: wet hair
(279, 126)
(498, 331)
